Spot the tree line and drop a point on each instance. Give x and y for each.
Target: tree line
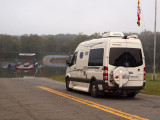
(11, 45)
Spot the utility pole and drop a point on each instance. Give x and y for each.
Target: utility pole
(154, 59)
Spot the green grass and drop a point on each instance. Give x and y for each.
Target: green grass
(152, 87)
(59, 78)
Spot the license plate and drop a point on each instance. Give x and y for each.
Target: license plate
(125, 76)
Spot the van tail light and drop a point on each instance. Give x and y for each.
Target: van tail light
(109, 88)
(142, 87)
(144, 73)
(105, 73)
(117, 77)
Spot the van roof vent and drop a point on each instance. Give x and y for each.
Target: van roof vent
(113, 34)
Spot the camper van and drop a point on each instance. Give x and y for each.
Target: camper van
(113, 64)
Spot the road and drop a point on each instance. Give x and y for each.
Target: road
(44, 99)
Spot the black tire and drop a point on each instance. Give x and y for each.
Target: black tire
(67, 84)
(131, 95)
(94, 89)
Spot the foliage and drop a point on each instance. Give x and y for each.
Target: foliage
(9, 46)
(30, 43)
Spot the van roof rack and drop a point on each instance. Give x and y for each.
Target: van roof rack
(131, 36)
(113, 34)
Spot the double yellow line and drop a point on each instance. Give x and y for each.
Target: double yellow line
(95, 105)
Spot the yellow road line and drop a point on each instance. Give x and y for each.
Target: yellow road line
(95, 105)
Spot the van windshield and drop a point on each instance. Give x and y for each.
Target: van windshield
(126, 57)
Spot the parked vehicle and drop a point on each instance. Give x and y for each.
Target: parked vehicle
(25, 61)
(114, 64)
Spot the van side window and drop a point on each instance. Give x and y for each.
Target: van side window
(81, 55)
(96, 57)
(74, 58)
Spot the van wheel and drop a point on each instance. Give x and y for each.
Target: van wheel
(67, 84)
(94, 90)
(131, 95)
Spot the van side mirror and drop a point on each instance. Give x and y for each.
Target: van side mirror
(68, 62)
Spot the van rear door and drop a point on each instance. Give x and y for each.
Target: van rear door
(136, 50)
(128, 55)
(114, 43)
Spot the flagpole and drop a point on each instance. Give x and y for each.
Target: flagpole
(154, 59)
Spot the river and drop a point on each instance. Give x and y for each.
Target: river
(45, 69)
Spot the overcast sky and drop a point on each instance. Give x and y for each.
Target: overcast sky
(19, 17)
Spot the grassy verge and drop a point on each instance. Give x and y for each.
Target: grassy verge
(59, 78)
(152, 87)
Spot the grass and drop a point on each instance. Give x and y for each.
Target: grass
(152, 87)
(59, 78)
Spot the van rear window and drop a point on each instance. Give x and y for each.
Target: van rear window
(96, 57)
(126, 57)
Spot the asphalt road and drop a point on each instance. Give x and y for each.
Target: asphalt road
(45, 99)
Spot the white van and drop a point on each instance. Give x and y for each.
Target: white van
(114, 63)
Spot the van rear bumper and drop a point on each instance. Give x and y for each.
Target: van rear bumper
(114, 88)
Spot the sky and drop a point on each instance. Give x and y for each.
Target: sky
(18, 17)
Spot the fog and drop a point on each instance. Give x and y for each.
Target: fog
(75, 16)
